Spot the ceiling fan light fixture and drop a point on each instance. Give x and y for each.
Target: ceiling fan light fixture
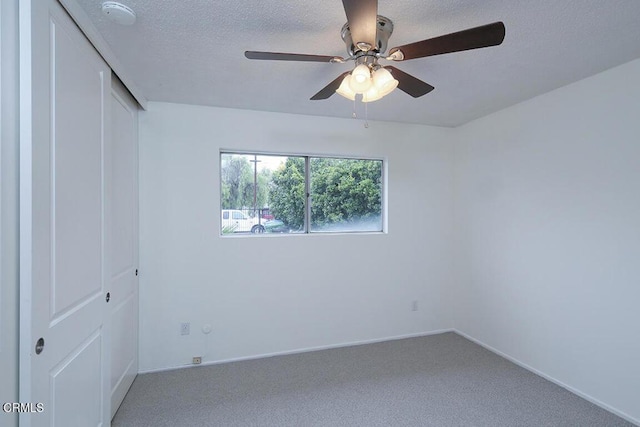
(345, 89)
(360, 81)
(361, 73)
(373, 94)
(384, 82)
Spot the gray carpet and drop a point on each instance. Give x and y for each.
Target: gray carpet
(439, 380)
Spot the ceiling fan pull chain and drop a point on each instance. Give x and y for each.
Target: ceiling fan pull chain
(366, 115)
(353, 113)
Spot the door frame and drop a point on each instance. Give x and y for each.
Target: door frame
(9, 210)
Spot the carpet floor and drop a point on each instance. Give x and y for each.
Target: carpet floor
(439, 380)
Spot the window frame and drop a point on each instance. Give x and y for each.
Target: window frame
(306, 231)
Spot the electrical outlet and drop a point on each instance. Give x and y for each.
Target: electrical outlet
(414, 305)
(197, 360)
(185, 328)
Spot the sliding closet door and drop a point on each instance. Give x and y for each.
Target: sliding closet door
(65, 93)
(123, 313)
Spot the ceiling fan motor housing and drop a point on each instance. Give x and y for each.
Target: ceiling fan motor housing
(384, 30)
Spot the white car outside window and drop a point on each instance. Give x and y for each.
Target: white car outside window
(236, 221)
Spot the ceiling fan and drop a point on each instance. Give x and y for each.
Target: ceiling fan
(366, 35)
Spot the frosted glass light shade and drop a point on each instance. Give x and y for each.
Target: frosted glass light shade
(360, 81)
(373, 94)
(345, 89)
(384, 82)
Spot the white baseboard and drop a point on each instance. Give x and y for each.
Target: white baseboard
(300, 350)
(553, 380)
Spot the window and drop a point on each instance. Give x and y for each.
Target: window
(299, 194)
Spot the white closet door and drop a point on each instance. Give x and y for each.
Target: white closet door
(64, 93)
(124, 244)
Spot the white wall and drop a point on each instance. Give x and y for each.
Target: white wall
(8, 208)
(548, 244)
(273, 294)
(544, 198)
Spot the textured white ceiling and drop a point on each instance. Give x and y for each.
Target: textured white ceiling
(192, 52)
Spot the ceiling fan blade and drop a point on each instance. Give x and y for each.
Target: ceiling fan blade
(329, 89)
(362, 16)
(473, 38)
(409, 84)
(276, 56)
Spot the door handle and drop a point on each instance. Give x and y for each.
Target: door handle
(40, 345)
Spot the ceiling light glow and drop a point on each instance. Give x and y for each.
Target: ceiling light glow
(360, 81)
(345, 89)
(372, 85)
(373, 94)
(384, 81)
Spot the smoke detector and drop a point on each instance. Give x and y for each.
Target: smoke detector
(118, 13)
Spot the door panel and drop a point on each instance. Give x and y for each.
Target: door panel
(64, 182)
(124, 245)
(125, 193)
(76, 154)
(73, 397)
(124, 350)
